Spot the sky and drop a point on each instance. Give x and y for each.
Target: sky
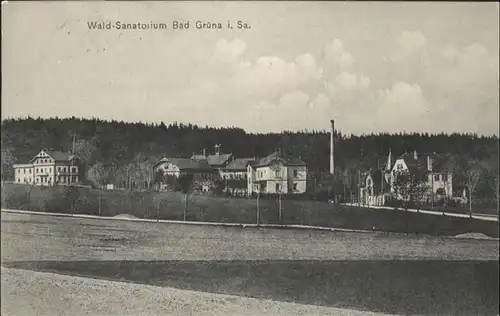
(373, 67)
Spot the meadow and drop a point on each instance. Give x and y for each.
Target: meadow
(191, 207)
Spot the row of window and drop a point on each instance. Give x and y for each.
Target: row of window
(44, 160)
(61, 179)
(37, 170)
(277, 173)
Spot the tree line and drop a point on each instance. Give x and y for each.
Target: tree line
(118, 144)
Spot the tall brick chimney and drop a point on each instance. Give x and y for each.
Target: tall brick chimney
(332, 144)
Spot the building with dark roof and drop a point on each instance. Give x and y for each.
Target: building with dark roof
(432, 168)
(49, 167)
(216, 160)
(200, 170)
(277, 173)
(235, 175)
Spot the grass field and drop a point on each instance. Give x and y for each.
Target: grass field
(376, 272)
(171, 206)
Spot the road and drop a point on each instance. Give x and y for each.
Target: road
(367, 272)
(479, 216)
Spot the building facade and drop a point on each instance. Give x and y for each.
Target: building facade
(438, 178)
(277, 174)
(48, 168)
(235, 176)
(202, 174)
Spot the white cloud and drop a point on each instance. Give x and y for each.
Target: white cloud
(403, 98)
(336, 56)
(403, 106)
(269, 76)
(293, 111)
(410, 47)
(350, 81)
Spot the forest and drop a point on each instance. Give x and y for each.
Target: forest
(117, 144)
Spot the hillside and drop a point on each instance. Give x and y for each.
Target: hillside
(114, 143)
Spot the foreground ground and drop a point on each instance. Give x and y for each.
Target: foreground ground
(369, 272)
(26, 293)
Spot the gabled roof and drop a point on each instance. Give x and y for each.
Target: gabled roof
(213, 160)
(57, 155)
(287, 160)
(218, 160)
(239, 163)
(187, 164)
(439, 162)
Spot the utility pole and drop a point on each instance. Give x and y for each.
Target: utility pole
(279, 205)
(71, 162)
(258, 209)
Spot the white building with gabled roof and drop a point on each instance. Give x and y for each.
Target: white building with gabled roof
(49, 167)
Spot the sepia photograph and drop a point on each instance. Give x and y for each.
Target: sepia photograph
(249, 158)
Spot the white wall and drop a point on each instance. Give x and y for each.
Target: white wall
(436, 181)
(297, 177)
(168, 168)
(285, 177)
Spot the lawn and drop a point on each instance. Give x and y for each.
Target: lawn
(174, 206)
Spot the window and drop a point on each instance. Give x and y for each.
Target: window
(73, 169)
(436, 177)
(445, 177)
(59, 169)
(18, 180)
(295, 186)
(277, 173)
(18, 170)
(24, 171)
(30, 171)
(295, 173)
(277, 187)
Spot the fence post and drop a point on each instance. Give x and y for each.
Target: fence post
(258, 210)
(279, 207)
(100, 199)
(185, 207)
(158, 212)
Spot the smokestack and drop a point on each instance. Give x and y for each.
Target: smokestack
(332, 144)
